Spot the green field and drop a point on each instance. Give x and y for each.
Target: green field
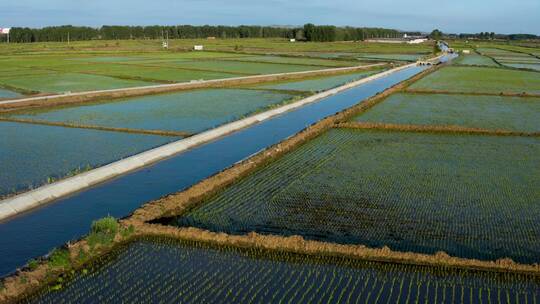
(68, 82)
(475, 59)
(320, 83)
(57, 74)
(94, 65)
(392, 57)
(487, 112)
(190, 111)
(410, 191)
(480, 79)
(297, 60)
(168, 271)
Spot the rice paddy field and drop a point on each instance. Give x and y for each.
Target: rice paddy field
(99, 65)
(69, 73)
(392, 57)
(411, 191)
(476, 59)
(190, 111)
(486, 112)
(511, 58)
(320, 83)
(195, 273)
(470, 196)
(480, 80)
(41, 154)
(8, 94)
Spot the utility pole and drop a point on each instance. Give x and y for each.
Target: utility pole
(68, 38)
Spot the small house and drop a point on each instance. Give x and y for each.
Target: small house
(198, 48)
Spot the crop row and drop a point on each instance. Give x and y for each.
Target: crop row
(470, 196)
(168, 271)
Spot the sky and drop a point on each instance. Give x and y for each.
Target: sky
(457, 16)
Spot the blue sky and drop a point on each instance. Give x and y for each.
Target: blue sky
(502, 16)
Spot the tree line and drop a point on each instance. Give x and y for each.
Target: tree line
(309, 32)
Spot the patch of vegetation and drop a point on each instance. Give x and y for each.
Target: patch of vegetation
(198, 273)
(415, 192)
(486, 112)
(480, 80)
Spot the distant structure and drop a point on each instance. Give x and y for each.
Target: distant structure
(292, 40)
(211, 38)
(466, 52)
(5, 31)
(198, 48)
(406, 39)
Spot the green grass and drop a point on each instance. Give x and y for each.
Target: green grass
(488, 112)
(480, 79)
(179, 272)
(470, 196)
(68, 82)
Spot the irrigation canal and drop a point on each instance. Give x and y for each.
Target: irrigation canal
(35, 233)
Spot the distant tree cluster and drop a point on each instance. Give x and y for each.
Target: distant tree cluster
(325, 33)
(309, 32)
(492, 36)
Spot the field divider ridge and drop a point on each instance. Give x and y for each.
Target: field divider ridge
(433, 129)
(444, 92)
(17, 204)
(95, 127)
(81, 97)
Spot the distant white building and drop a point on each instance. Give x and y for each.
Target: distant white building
(292, 40)
(417, 41)
(466, 52)
(198, 47)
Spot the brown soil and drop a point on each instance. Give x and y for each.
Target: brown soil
(433, 129)
(77, 126)
(506, 94)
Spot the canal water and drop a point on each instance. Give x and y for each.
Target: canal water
(35, 233)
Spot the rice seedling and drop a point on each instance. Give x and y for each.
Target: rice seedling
(44, 154)
(190, 111)
(480, 80)
(410, 191)
(487, 112)
(187, 272)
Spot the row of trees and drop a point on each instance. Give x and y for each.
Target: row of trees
(484, 36)
(309, 32)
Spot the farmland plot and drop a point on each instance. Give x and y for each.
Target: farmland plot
(475, 59)
(486, 112)
(32, 155)
(298, 60)
(180, 272)
(238, 67)
(471, 196)
(319, 84)
(8, 94)
(480, 80)
(68, 82)
(190, 111)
